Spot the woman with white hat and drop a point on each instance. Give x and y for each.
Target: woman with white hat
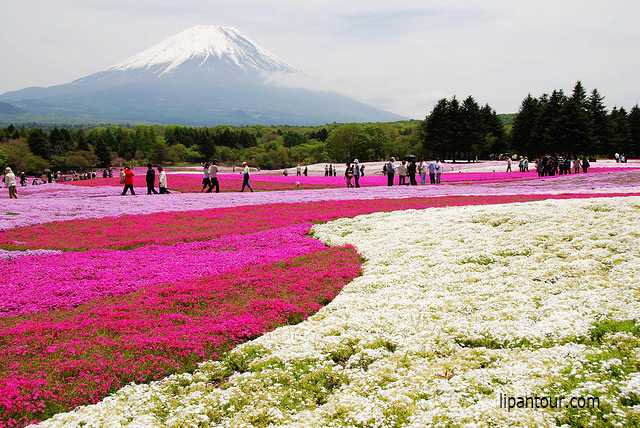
(10, 182)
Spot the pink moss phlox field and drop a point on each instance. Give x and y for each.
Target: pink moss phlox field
(167, 228)
(35, 284)
(29, 210)
(56, 360)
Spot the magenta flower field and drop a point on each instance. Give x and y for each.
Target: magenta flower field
(99, 290)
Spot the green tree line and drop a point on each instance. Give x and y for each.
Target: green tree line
(575, 125)
(33, 149)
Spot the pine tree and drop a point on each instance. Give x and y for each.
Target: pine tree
(634, 130)
(620, 132)
(599, 124)
(548, 127)
(493, 131)
(523, 134)
(435, 131)
(39, 143)
(472, 137)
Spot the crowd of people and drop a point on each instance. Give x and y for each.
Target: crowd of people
(550, 165)
(407, 169)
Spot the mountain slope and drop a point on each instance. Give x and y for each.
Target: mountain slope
(205, 75)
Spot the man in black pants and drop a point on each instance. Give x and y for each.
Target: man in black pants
(391, 169)
(151, 179)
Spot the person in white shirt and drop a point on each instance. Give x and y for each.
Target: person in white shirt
(402, 173)
(438, 171)
(213, 177)
(206, 181)
(422, 170)
(162, 181)
(245, 177)
(10, 183)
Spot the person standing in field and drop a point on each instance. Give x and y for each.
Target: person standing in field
(411, 172)
(508, 164)
(356, 172)
(162, 181)
(432, 172)
(438, 171)
(128, 181)
(348, 174)
(213, 177)
(422, 170)
(402, 173)
(10, 183)
(391, 169)
(206, 181)
(245, 177)
(151, 181)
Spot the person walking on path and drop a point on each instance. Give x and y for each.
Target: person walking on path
(206, 181)
(438, 171)
(128, 181)
(391, 169)
(151, 181)
(432, 172)
(162, 181)
(305, 171)
(508, 164)
(348, 174)
(357, 172)
(10, 183)
(245, 177)
(213, 177)
(298, 171)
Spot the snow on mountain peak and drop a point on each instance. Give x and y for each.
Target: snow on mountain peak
(203, 42)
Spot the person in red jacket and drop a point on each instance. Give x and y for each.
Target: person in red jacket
(128, 181)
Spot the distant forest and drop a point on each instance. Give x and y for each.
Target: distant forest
(575, 125)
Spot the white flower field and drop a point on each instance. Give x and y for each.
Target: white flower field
(458, 310)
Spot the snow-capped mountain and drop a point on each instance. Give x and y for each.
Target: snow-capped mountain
(205, 75)
(206, 44)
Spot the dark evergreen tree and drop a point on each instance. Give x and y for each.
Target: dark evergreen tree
(548, 129)
(471, 129)
(620, 131)
(493, 132)
(434, 131)
(573, 124)
(39, 143)
(454, 118)
(80, 139)
(634, 132)
(599, 124)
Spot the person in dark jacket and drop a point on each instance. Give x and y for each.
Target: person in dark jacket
(151, 180)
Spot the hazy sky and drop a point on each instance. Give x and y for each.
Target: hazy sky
(401, 56)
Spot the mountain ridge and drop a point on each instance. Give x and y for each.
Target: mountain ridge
(204, 75)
